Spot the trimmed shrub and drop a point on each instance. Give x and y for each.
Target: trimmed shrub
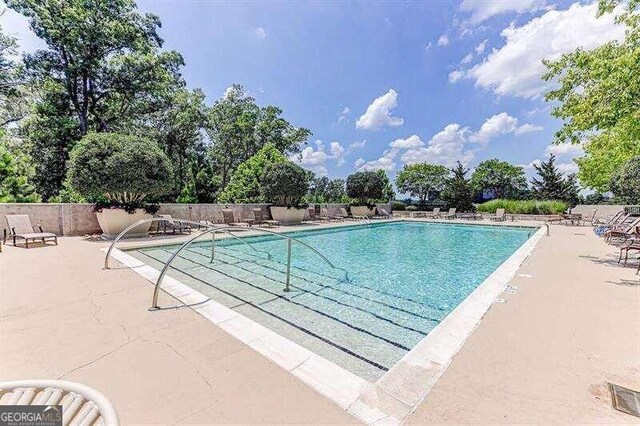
(398, 205)
(284, 184)
(523, 206)
(365, 187)
(412, 208)
(119, 170)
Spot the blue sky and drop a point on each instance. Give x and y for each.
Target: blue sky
(383, 84)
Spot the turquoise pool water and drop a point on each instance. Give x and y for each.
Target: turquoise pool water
(403, 279)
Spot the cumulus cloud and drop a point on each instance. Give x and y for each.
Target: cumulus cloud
(481, 10)
(480, 47)
(315, 159)
(516, 68)
(456, 75)
(566, 167)
(443, 40)
(344, 114)
(501, 124)
(378, 114)
(568, 149)
(410, 142)
(386, 162)
(357, 145)
(260, 32)
(445, 147)
(468, 58)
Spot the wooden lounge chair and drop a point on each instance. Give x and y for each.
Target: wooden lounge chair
(451, 214)
(20, 227)
(500, 216)
(229, 219)
(169, 224)
(258, 217)
(435, 214)
(81, 405)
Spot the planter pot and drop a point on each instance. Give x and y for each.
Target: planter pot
(362, 211)
(288, 216)
(114, 221)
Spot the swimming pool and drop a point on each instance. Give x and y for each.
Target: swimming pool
(404, 278)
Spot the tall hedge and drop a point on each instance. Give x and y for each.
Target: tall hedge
(285, 184)
(365, 186)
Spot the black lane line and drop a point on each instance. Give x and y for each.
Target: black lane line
(286, 321)
(407, 299)
(362, 330)
(323, 286)
(415, 330)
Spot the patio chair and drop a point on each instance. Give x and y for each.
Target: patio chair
(311, 212)
(451, 214)
(621, 233)
(609, 219)
(169, 224)
(590, 218)
(20, 227)
(229, 219)
(500, 216)
(81, 405)
(344, 214)
(435, 214)
(258, 217)
(337, 216)
(324, 215)
(383, 213)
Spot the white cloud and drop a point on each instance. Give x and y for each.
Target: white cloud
(344, 115)
(357, 145)
(443, 40)
(516, 68)
(445, 147)
(528, 128)
(410, 142)
(385, 162)
(16, 25)
(456, 75)
(315, 159)
(378, 114)
(428, 46)
(568, 149)
(481, 47)
(467, 59)
(260, 32)
(567, 167)
(481, 10)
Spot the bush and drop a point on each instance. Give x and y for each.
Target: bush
(284, 184)
(523, 206)
(365, 187)
(411, 208)
(119, 170)
(398, 206)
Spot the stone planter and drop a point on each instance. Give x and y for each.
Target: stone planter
(288, 216)
(362, 211)
(114, 221)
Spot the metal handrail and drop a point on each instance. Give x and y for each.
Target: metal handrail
(206, 225)
(156, 291)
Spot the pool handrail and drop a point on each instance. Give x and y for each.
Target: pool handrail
(227, 229)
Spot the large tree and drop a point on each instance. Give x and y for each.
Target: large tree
(551, 183)
(13, 96)
(15, 174)
(598, 99)
(501, 179)
(458, 191)
(237, 128)
(422, 179)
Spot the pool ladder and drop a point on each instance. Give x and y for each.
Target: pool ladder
(212, 229)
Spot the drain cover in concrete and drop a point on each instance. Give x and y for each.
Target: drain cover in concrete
(625, 400)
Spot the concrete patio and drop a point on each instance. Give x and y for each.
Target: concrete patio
(545, 356)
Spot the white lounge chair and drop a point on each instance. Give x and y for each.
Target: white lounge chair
(20, 227)
(435, 214)
(451, 214)
(81, 405)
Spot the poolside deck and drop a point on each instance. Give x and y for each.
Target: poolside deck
(573, 325)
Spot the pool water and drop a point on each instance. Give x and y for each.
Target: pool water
(402, 279)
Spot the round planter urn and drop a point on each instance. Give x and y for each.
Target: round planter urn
(362, 211)
(287, 216)
(114, 221)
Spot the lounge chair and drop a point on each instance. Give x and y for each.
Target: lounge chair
(451, 214)
(324, 215)
(590, 218)
(20, 227)
(337, 216)
(344, 214)
(229, 219)
(383, 214)
(499, 216)
(610, 219)
(621, 233)
(435, 214)
(311, 212)
(259, 219)
(169, 224)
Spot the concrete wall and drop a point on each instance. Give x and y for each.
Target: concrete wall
(603, 210)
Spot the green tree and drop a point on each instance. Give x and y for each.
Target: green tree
(551, 184)
(625, 183)
(238, 128)
(336, 192)
(388, 193)
(598, 99)
(105, 55)
(422, 179)
(458, 191)
(15, 172)
(284, 184)
(13, 96)
(502, 179)
(245, 185)
(365, 187)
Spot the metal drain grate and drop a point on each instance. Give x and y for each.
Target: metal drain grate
(625, 400)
